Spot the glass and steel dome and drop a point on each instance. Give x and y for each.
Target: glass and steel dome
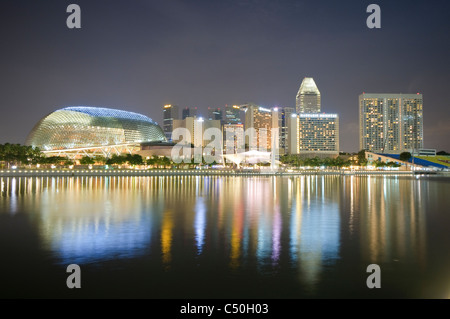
(84, 126)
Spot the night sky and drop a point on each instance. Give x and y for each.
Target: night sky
(138, 55)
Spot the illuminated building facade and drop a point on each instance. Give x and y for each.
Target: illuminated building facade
(232, 115)
(391, 123)
(259, 123)
(318, 134)
(89, 128)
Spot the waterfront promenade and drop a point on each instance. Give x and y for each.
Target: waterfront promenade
(197, 172)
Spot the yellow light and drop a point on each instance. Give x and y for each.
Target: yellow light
(167, 106)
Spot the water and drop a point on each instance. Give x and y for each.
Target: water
(225, 237)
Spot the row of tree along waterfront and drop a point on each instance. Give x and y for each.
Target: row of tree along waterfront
(16, 155)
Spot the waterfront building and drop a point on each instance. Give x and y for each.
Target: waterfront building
(390, 123)
(85, 130)
(314, 134)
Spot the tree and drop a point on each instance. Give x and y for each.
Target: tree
(152, 160)
(100, 159)
(379, 164)
(116, 159)
(51, 160)
(393, 164)
(13, 154)
(362, 158)
(405, 156)
(86, 160)
(442, 153)
(314, 162)
(135, 159)
(166, 161)
(68, 162)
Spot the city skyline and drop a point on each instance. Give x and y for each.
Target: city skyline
(140, 57)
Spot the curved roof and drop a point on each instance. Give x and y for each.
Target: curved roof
(104, 112)
(84, 126)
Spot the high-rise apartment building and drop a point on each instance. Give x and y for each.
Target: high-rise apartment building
(170, 113)
(308, 97)
(390, 123)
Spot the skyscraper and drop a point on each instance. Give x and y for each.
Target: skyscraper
(308, 97)
(232, 115)
(390, 123)
(170, 113)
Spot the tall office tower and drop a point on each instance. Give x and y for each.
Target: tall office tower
(196, 127)
(284, 113)
(189, 112)
(308, 97)
(318, 134)
(233, 138)
(258, 127)
(170, 113)
(214, 114)
(232, 115)
(390, 123)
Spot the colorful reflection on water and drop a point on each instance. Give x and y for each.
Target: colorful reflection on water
(299, 228)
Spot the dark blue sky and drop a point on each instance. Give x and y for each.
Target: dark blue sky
(138, 55)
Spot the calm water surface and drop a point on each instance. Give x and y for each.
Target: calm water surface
(225, 237)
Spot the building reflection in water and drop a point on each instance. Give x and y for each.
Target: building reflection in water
(166, 238)
(315, 225)
(260, 222)
(391, 219)
(200, 224)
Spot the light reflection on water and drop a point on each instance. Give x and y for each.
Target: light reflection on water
(293, 225)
